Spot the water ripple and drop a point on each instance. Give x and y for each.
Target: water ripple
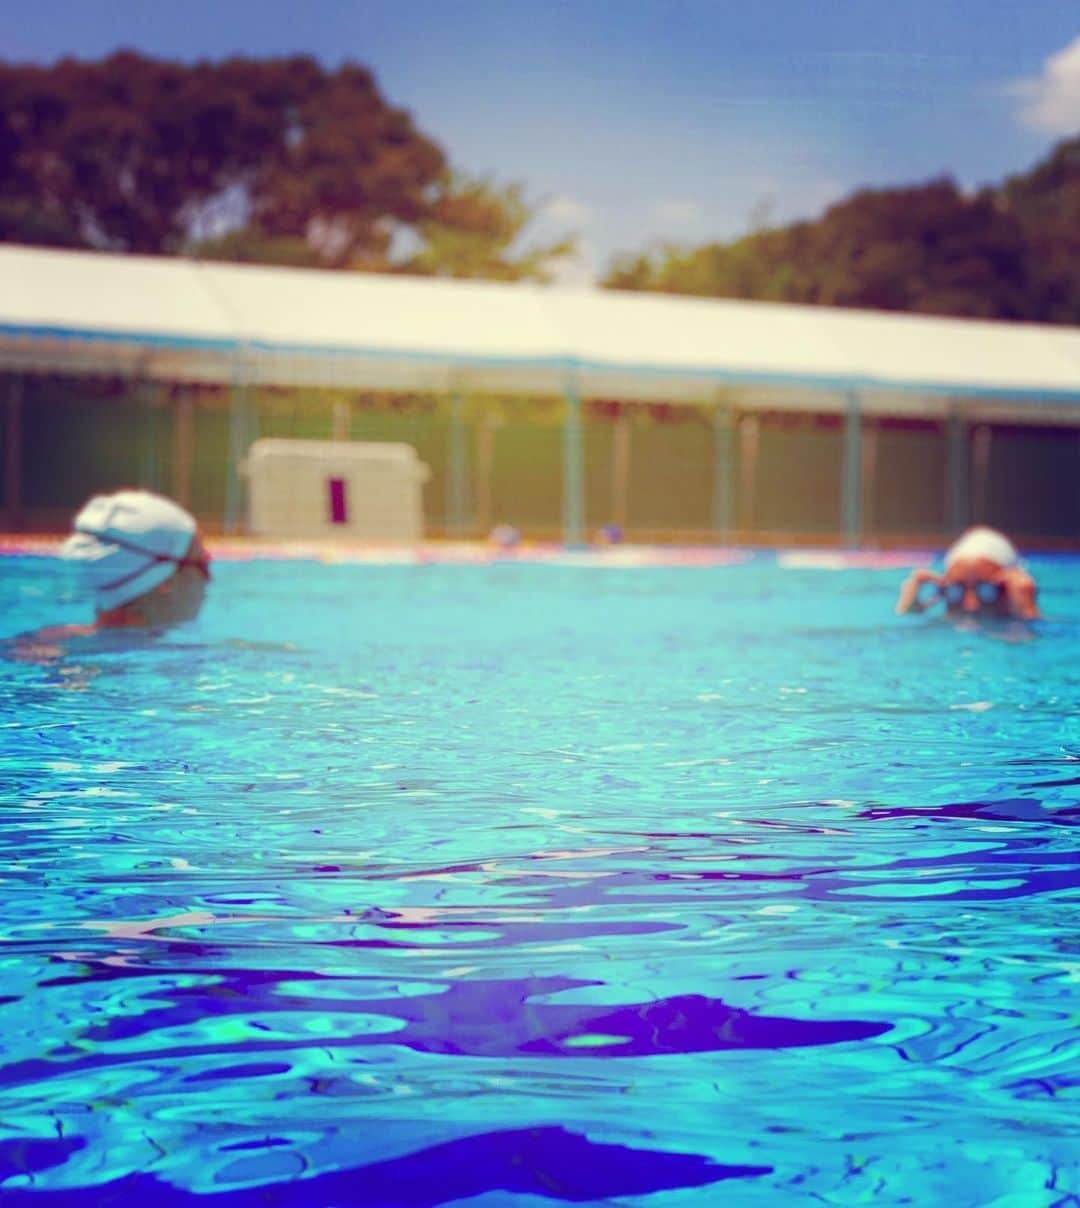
(542, 884)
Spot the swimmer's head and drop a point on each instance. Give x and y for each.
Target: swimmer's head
(140, 558)
(609, 534)
(975, 572)
(985, 543)
(505, 536)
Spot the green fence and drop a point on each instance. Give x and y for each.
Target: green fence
(661, 472)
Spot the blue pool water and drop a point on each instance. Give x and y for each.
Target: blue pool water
(515, 884)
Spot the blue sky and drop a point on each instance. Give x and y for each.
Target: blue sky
(637, 121)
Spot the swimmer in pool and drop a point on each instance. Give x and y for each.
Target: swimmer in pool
(982, 576)
(142, 560)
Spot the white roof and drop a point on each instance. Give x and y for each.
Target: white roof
(172, 317)
(110, 295)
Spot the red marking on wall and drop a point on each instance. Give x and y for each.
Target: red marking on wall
(339, 512)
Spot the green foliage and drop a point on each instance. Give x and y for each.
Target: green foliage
(271, 161)
(1006, 253)
(281, 161)
(249, 245)
(130, 153)
(24, 221)
(1046, 203)
(475, 229)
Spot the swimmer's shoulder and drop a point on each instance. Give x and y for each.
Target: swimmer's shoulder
(59, 633)
(47, 644)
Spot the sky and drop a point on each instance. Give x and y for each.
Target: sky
(633, 122)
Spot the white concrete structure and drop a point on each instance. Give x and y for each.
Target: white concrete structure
(366, 491)
(180, 320)
(204, 321)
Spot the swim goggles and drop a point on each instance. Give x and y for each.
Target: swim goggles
(986, 593)
(201, 564)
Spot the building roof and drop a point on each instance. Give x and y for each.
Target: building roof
(180, 319)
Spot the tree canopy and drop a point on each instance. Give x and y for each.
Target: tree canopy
(1010, 252)
(275, 160)
(475, 229)
(133, 153)
(282, 161)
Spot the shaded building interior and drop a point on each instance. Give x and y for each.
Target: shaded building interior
(555, 445)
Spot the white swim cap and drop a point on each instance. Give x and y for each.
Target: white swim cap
(127, 544)
(983, 542)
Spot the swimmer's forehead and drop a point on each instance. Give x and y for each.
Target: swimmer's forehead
(962, 570)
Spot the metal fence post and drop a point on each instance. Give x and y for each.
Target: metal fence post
(956, 474)
(852, 473)
(981, 438)
(749, 442)
(183, 444)
(13, 455)
(573, 518)
(146, 394)
(457, 469)
(723, 473)
(237, 448)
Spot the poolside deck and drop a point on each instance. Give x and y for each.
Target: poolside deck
(244, 549)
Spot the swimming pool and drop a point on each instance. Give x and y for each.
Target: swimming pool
(520, 883)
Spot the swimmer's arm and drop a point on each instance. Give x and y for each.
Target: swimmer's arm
(1021, 592)
(909, 593)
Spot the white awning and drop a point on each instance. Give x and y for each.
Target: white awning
(171, 318)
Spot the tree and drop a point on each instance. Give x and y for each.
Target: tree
(132, 153)
(1046, 203)
(927, 248)
(476, 228)
(1008, 253)
(349, 170)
